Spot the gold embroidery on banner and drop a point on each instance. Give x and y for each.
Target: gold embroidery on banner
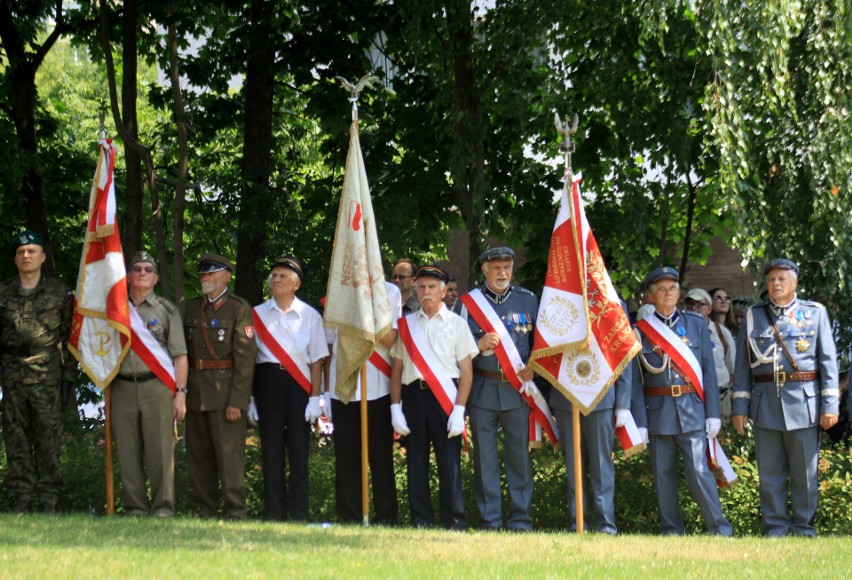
(104, 343)
(582, 368)
(559, 316)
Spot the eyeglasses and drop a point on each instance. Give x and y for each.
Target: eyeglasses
(400, 277)
(146, 269)
(696, 305)
(723, 299)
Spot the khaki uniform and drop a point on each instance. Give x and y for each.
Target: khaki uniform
(34, 329)
(221, 369)
(143, 417)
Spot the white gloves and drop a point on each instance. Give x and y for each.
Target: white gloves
(712, 426)
(326, 404)
(313, 409)
(455, 424)
(251, 412)
(643, 433)
(400, 425)
(622, 417)
(529, 388)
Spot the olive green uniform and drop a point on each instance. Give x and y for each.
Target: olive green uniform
(34, 329)
(142, 417)
(221, 369)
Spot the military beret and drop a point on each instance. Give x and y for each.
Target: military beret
(213, 263)
(660, 274)
(780, 264)
(143, 256)
(430, 271)
(698, 295)
(26, 238)
(294, 263)
(497, 253)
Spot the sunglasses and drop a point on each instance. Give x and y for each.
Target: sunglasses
(146, 269)
(723, 299)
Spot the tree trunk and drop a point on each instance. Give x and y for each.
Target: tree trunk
(183, 163)
(257, 154)
(467, 168)
(23, 65)
(132, 231)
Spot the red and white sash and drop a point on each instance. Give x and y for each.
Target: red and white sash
(380, 363)
(152, 353)
(295, 365)
(719, 464)
(426, 361)
(510, 359)
(628, 436)
(671, 344)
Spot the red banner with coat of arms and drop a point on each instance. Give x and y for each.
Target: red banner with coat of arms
(583, 338)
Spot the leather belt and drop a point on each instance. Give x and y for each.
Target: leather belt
(494, 376)
(419, 384)
(137, 378)
(672, 391)
(200, 364)
(28, 351)
(785, 377)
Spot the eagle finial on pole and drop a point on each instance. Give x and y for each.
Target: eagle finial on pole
(567, 132)
(355, 90)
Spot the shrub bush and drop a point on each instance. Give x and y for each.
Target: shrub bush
(83, 463)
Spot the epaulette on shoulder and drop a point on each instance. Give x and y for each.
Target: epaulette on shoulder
(812, 304)
(168, 305)
(522, 290)
(694, 314)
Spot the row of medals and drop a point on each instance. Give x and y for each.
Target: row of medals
(520, 323)
(800, 320)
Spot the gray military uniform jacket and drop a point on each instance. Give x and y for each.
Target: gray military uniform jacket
(675, 415)
(518, 309)
(806, 332)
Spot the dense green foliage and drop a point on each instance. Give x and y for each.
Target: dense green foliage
(636, 510)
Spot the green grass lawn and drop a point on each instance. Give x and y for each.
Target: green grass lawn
(84, 546)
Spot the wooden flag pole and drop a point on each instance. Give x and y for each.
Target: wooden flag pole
(110, 489)
(578, 469)
(365, 453)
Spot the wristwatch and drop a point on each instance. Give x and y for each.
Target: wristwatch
(181, 390)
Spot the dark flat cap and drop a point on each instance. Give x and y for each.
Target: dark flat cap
(213, 263)
(26, 238)
(497, 253)
(432, 271)
(780, 264)
(294, 263)
(666, 272)
(143, 256)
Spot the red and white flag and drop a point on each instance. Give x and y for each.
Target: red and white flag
(357, 301)
(100, 331)
(583, 339)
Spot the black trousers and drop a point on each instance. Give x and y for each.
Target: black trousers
(428, 423)
(281, 406)
(347, 455)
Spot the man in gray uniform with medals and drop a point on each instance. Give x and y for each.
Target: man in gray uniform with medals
(494, 402)
(786, 382)
(676, 403)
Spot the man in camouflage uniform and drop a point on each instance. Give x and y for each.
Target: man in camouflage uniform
(221, 347)
(35, 322)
